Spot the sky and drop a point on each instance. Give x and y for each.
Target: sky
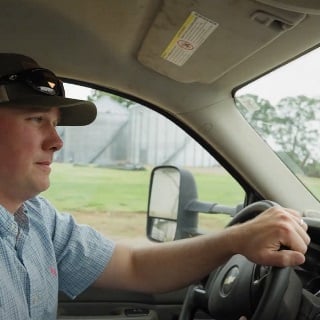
(301, 77)
(76, 92)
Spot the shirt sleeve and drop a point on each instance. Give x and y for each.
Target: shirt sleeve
(81, 252)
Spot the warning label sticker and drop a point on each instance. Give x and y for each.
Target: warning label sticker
(195, 30)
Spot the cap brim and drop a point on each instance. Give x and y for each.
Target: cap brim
(73, 112)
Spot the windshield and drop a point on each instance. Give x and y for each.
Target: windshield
(284, 109)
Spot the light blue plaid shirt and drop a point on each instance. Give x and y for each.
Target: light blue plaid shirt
(43, 252)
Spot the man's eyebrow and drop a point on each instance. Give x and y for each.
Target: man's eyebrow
(41, 110)
(38, 109)
(31, 109)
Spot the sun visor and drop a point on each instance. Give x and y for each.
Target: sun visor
(204, 41)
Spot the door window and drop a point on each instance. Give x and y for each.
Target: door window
(101, 175)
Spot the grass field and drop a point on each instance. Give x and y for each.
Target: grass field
(115, 201)
(89, 189)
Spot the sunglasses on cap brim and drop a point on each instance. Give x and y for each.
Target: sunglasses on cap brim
(39, 79)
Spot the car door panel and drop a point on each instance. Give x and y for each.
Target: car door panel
(117, 304)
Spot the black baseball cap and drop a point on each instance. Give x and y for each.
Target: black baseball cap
(24, 84)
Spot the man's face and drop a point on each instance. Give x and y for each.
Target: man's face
(28, 140)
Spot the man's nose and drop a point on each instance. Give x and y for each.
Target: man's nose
(53, 141)
(58, 144)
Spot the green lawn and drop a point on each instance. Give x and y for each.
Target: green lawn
(92, 189)
(115, 201)
(80, 188)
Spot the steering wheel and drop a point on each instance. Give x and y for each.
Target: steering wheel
(240, 287)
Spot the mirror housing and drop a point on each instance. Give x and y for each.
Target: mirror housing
(171, 191)
(173, 206)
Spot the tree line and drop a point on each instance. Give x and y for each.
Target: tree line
(292, 127)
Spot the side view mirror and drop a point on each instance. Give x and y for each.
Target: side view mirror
(170, 190)
(173, 206)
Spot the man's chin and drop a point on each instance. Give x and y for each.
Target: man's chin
(40, 187)
(45, 187)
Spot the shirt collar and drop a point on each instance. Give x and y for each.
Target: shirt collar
(9, 222)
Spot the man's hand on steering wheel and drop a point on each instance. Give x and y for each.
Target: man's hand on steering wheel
(279, 238)
(261, 237)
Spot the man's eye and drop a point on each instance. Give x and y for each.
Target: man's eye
(36, 119)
